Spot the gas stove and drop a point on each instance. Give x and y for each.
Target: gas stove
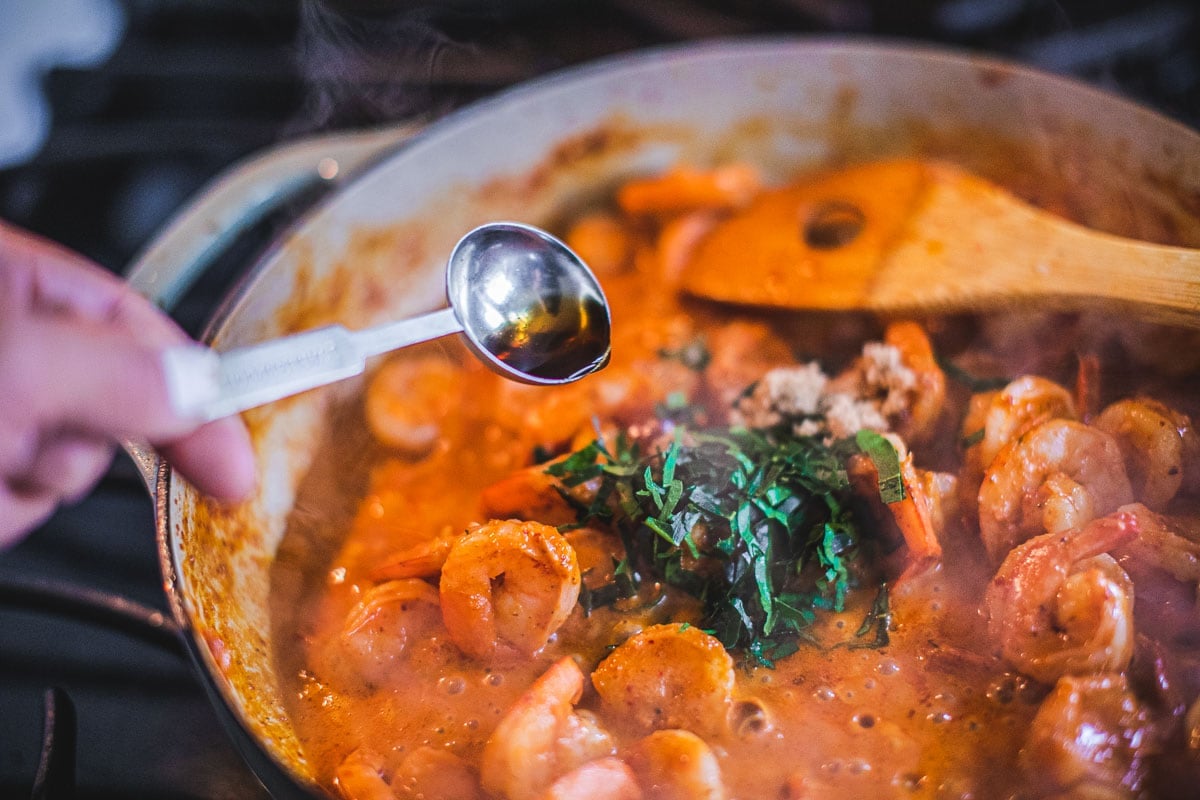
(96, 698)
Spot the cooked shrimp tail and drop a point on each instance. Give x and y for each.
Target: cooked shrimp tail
(603, 779)
(1090, 738)
(542, 738)
(1154, 441)
(676, 764)
(1059, 475)
(360, 776)
(506, 587)
(1060, 605)
(668, 676)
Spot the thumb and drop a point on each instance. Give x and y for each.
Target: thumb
(75, 374)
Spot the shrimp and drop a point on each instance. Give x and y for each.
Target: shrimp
(409, 399)
(1156, 442)
(422, 560)
(676, 765)
(360, 776)
(602, 779)
(626, 394)
(996, 419)
(532, 493)
(542, 737)
(741, 353)
(929, 500)
(1191, 726)
(536, 416)
(925, 398)
(1059, 475)
(1087, 386)
(920, 514)
(668, 676)
(684, 188)
(899, 378)
(1089, 738)
(603, 242)
(1164, 563)
(1060, 605)
(506, 587)
(598, 553)
(623, 395)
(429, 773)
(678, 239)
(630, 395)
(379, 629)
(1010, 412)
(1161, 543)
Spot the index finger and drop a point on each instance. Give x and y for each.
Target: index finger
(43, 277)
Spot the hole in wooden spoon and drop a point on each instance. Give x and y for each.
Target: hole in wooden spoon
(833, 224)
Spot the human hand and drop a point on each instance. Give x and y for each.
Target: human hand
(81, 366)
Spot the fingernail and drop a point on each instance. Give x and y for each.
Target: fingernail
(192, 375)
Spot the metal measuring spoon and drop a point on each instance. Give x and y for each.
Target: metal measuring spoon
(528, 306)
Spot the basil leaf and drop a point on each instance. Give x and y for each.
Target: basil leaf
(887, 463)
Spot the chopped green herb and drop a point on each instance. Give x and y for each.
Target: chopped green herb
(757, 524)
(879, 619)
(973, 439)
(973, 382)
(887, 463)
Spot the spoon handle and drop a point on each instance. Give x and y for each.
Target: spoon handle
(395, 335)
(257, 374)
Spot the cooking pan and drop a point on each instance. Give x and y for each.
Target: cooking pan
(536, 154)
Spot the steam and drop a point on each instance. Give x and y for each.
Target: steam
(367, 63)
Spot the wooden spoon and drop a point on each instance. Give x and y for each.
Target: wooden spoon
(913, 235)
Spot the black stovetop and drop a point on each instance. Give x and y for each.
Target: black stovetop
(191, 88)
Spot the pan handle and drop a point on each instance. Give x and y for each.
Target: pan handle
(238, 199)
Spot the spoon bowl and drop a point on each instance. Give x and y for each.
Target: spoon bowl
(527, 305)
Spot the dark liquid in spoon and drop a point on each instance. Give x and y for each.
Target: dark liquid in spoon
(567, 342)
